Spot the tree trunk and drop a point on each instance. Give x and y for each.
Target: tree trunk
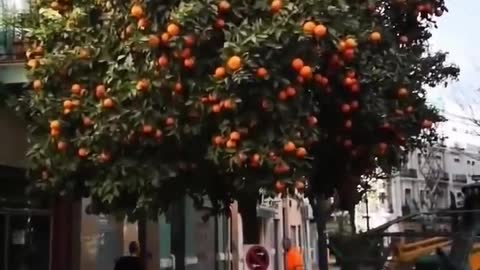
(321, 213)
(351, 215)
(463, 239)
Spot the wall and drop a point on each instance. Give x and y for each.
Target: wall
(13, 140)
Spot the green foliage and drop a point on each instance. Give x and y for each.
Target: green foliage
(145, 114)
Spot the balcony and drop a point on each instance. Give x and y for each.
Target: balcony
(410, 173)
(460, 178)
(444, 176)
(12, 48)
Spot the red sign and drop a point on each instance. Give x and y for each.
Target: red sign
(257, 258)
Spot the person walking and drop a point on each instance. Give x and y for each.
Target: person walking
(132, 261)
(293, 256)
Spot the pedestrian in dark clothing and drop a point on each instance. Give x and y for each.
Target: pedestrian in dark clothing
(132, 261)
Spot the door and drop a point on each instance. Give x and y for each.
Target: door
(24, 240)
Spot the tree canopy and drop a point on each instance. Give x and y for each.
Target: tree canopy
(135, 103)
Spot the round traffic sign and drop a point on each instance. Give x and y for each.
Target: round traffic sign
(257, 258)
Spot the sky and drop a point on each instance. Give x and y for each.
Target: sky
(457, 34)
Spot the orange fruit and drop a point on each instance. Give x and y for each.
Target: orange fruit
(107, 103)
(173, 29)
(276, 6)
(351, 43)
(297, 64)
(219, 73)
(189, 63)
(262, 73)
(402, 92)
(137, 11)
(301, 152)
(54, 133)
(100, 91)
(217, 140)
(219, 23)
(142, 85)
(76, 89)
(61, 146)
(147, 129)
(320, 31)
(345, 108)
(104, 157)
(67, 104)
(279, 186)
(216, 108)
(308, 28)
(33, 63)
(82, 152)
(234, 63)
(67, 111)
(84, 53)
(169, 121)
(37, 85)
(231, 144)
(55, 124)
(299, 185)
(291, 91)
(342, 45)
(282, 95)
(375, 37)
(348, 54)
(228, 104)
(142, 24)
(224, 6)
(163, 61)
(158, 134)
(178, 87)
(348, 124)
(235, 136)
(427, 124)
(189, 40)
(153, 41)
(312, 121)
(185, 53)
(306, 72)
(165, 37)
(87, 121)
(289, 147)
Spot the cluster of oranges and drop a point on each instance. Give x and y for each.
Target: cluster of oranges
(304, 72)
(231, 141)
(310, 28)
(347, 48)
(350, 82)
(233, 64)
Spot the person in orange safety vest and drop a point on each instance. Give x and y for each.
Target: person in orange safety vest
(293, 256)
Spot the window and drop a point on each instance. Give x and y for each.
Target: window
(456, 160)
(293, 235)
(407, 195)
(468, 162)
(473, 162)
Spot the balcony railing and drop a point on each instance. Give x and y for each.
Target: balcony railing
(460, 178)
(12, 47)
(444, 176)
(411, 173)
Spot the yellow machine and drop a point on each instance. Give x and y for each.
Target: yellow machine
(407, 254)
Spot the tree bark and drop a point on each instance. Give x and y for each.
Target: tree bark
(321, 213)
(351, 215)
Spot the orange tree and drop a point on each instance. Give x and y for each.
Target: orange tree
(136, 103)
